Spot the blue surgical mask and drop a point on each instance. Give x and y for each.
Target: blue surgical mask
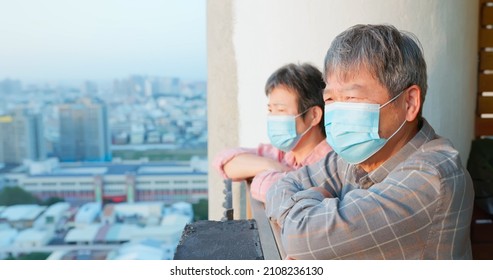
(282, 131)
(352, 129)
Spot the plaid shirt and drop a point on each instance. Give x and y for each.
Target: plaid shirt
(417, 205)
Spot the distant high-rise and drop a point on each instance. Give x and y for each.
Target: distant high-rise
(21, 137)
(166, 85)
(89, 88)
(84, 133)
(9, 86)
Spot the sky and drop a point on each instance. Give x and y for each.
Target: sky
(60, 40)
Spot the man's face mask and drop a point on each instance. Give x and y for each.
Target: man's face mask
(282, 131)
(352, 129)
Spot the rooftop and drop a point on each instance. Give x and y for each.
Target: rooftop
(88, 212)
(7, 236)
(32, 235)
(83, 234)
(110, 168)
(22, 212)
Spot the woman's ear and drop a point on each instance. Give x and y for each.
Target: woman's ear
(315, 115)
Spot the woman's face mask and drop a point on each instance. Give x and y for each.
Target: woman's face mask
(282, 131)
(352, 129)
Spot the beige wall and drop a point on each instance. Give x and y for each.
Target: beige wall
(222, 90)
(248, 40)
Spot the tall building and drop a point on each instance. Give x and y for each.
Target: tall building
(21, 137)
(167, 85)
(84, 133)
(9, 86)
(89, 88)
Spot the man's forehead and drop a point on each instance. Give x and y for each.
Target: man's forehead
(344, 87)
(350, 81)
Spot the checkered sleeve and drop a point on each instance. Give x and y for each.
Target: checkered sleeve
(390, 220)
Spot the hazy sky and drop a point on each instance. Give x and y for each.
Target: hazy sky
(52, 40)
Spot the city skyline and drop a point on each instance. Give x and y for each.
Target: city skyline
(144, 113)
(57, 41)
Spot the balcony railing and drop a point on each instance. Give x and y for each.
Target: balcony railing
(269, 232)
(245, 232)
(240, 204)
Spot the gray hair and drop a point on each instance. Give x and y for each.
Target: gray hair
(393, 57)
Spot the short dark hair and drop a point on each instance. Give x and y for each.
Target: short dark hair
(393, 57)
(306, 81)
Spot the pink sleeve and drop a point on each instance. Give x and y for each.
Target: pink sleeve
(225, 156)
(269, 151)
(262, 182)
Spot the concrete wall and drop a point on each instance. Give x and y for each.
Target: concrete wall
(248, 40)
(222, 89)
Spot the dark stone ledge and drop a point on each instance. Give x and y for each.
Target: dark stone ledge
(225, 240)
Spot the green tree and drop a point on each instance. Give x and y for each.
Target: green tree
(16, 195)
(30, 256)
(35, 256)
(201, 210)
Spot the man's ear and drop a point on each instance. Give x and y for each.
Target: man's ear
(413, 102)
(315, 115)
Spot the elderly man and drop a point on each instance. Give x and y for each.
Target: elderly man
(392, 188)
